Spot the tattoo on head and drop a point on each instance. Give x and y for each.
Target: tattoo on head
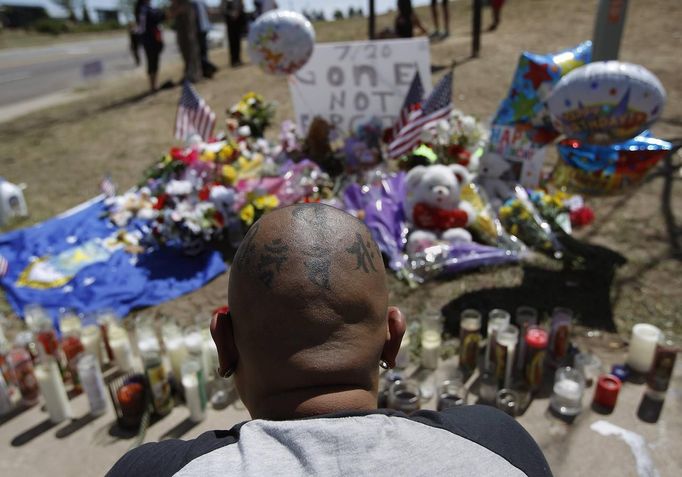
(248, 249)
(271, 259)
(317, 261)
(363, 254)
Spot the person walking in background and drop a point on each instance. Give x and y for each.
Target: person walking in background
(148, 21)
(496, 5)
(203, 26)
(407, 20)
(186, 32)
(235, 20)
(134, 40)
(445, 4)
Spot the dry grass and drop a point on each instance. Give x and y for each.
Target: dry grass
(62, 153)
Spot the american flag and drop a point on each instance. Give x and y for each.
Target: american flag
(107, 186)
(4, 266)
(194, 116)
(415, 95)
(436, 107)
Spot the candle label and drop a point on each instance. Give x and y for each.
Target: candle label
(658, 378)
(500, 361)
(160, 388)
(534, 367)
(469, 348)
(560, 337)
(26, 379)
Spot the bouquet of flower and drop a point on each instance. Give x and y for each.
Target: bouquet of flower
(251, 112)
(457, 140)
(521, 218)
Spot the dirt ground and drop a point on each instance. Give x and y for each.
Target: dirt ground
(62, 153)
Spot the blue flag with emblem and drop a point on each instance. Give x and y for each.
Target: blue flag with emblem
(80, 260)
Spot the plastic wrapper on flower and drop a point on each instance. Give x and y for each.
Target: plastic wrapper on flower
(606, 170)
(487, 227)
(448, 259)
(381, 207)
(521, 219)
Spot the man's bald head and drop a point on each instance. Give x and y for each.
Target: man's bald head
(308, 299)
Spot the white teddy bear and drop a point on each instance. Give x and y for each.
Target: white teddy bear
(492, 177)
(433, 206)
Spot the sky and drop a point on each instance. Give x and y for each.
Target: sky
(330, 5)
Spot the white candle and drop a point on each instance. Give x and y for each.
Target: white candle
(210, 356)
(177, 353)
(120, 346)
(643, 347)
(195, 403)
(92, 342)
(431, 342)
(53, 391)
(508, 340)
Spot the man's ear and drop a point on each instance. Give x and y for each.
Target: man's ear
(223, 336)
(395, 329)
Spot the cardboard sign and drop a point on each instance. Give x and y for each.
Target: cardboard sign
(525, 156)
(349, 83)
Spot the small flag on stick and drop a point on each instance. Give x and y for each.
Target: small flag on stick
(436, 107)
(194, 116)
(411, 106)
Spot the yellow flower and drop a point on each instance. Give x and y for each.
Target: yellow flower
(524, 215)
(208, 156)
(250, 95)
(247, 214)
(229, 173)
(167, 159)
(259, 202)
(226, 152)
(270, 202)
(514, 229)
(505, 211)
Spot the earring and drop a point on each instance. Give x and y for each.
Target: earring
(225, 374)
(383, 364)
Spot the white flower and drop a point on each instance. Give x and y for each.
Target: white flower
(147, 214)
(175, 187)
(468, 125)
(244, 131)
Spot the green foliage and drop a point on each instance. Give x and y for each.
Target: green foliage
(53, 26)
(50, 26)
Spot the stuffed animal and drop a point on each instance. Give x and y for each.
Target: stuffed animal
(12, 202)
(493, 175)
(434, 208)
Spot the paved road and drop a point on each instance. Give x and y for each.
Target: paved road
(29, 73)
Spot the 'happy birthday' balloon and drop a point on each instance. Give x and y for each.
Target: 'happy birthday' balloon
(281, 42)
(606, 102)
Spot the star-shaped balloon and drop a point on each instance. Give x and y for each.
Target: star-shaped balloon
(523, 107)
(537, 74)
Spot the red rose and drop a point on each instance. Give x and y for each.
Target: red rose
(204, 193)
(581, 217)
(161, 201)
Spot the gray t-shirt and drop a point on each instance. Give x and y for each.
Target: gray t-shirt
(466, 441)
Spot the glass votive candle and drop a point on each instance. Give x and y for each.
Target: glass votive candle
(431, 340)
(642, 348)
(451, 394)
(507, 400)
(505, 346)
(497, 320)
(404, 396)
(567, 394)
(588, 364)
(469, 339)
(536, 346)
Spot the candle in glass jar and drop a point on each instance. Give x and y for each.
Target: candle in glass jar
(469, 339)
(567, 393)
(505, 346)
(53, 390)
(642, 348)
(121, 349)
(73, 348)
(431, 342)
(92, 341)
(497, 319)
(104, 320)
(22, 364)
(194, 387)
(90, 376)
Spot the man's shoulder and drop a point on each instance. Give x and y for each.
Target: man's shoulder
(169, 456)
(494, 430)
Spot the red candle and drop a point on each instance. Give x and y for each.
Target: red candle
(72, 346)
(606, 394)
(536, 345)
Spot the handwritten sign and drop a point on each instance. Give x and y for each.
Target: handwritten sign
(525, 156)
(349, 83)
